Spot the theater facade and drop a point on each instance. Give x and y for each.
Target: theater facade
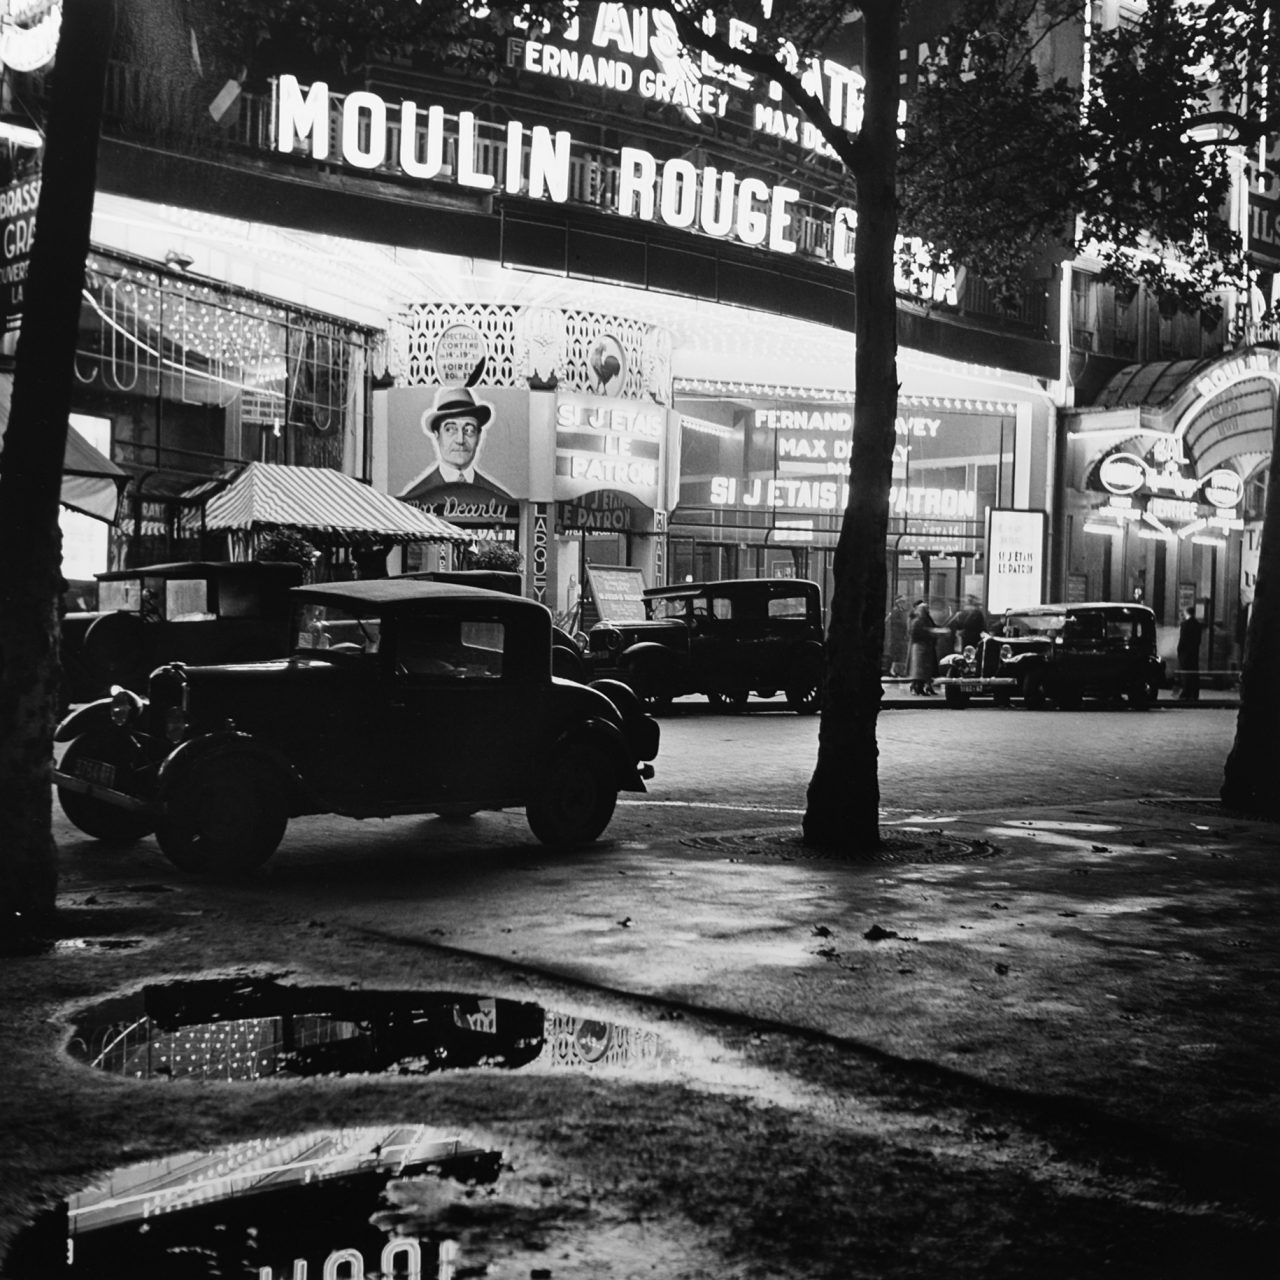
(636, 262)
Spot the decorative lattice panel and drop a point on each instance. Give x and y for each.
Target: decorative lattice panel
(540, 347)
(415, 336)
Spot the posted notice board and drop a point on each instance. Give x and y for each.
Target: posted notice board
(618, 591)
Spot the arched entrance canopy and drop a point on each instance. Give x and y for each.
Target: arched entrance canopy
(1204, 415)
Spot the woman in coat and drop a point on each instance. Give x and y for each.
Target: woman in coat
(922, 660)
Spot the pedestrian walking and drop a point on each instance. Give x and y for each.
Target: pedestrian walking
(895, 638)
(922, 659)
(967, 624)
(1189, 655)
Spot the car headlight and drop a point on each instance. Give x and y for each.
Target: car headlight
(969, 653)
(1006, 652)
(126, 706)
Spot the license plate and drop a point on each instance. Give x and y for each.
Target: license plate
(96, 771)
(971, 686)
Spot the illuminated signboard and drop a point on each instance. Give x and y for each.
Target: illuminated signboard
(833, 495)
(1122, 473)
(634, 50)
(538, 165)
(607, 444)
(1015, 559)
(18, 203)
(1223, 489)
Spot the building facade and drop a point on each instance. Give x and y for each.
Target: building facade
(634, 266)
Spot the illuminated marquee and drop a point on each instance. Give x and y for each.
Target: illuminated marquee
(631, 49)
(676, 193)
(819, 494)
(601, 444)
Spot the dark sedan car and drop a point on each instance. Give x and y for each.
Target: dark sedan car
(399, 696)
(1059, 653)
(724, 639)
(189, 611)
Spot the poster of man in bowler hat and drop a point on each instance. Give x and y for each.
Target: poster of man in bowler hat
(455, 426)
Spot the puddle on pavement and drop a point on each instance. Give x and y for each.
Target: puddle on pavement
(393, 1201)
(250, 1029)
(397, 1202)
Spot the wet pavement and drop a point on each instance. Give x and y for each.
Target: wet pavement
(1020, 1039)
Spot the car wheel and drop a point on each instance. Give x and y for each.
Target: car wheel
(955, 698)
(1141, 696)
(803, 689)
(575, 799)
(223, 816)
(94, 817)
(652, 690)
(732, 700)
(1068, 697)
(1033, 696)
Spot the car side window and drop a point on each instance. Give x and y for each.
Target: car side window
(1120, 628)
(1082, 628)
(721, 607)
(788, 607)
(451, 648)
(187, 600)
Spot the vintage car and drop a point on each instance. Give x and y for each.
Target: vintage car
(566, 658)
(198, 611)
(398, 697)
(722, 639)
(1059, 653)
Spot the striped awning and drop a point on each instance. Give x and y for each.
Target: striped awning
(326, 505)
(91, 482)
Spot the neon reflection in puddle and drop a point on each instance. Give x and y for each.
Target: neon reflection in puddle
(245, 1030)
(376, 1200)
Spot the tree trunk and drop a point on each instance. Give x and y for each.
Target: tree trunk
(1249, 781)
(31, 473)
(843, 811)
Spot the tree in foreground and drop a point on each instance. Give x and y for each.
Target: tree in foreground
(31, 473)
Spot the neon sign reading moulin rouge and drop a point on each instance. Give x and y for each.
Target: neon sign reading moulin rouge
(714, 201)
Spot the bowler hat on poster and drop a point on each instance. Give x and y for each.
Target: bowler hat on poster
(457, 402)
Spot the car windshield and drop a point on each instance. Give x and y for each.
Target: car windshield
(1030, 624)
(335, 629)
(663, 607)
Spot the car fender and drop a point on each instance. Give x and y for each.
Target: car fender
(568, 663)
(179, 763)
(650, 654)
(601, 736)
(93, 715)
(947, 661)
(642, 730)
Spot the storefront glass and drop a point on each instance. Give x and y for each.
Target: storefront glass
(196, 377)
(763, 488)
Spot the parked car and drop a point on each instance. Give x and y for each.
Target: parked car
(1059, 653)
(723, 639)
(398, 696)
(198, 611)
(566, 657)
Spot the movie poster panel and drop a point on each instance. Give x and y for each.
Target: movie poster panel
(460, 452)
